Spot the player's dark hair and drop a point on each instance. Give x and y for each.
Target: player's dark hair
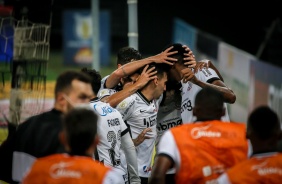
(80, 125)
(64, 80)
(264, 122)
(180, 54)
(210, 103)
(127, 54)
(96, 79)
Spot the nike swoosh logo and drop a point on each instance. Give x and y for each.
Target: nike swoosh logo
(142, 111)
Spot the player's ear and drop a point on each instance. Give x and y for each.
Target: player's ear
(61, 99)
(156, 80)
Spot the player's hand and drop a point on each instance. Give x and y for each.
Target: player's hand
(205, 63)
(189, 57)
(187, 74)
(163, 57)
(142, 136)
(146, 76)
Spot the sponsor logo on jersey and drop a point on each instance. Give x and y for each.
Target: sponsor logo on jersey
(141, 111)
(103, 111)
(147, 169)
(199, 132)
(186, 105)
(61, 170)
(151, 121)
(262, 169)
(168, 125)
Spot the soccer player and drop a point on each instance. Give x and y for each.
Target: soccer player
(139, 111)
(114, 135)
(201, 151)
(129, 62)
(38, 136)
(79, 139)
(265, 165)
(192, 82)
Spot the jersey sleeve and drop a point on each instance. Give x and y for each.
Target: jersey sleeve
(105, 92)
(207, 75)
(126, 107)
(124, 128)
(167, 147)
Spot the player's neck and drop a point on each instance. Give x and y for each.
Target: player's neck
(148, 93)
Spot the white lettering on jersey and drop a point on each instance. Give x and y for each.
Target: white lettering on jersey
(199, 132)
(60, 170)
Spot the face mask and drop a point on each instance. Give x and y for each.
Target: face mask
(76, 105)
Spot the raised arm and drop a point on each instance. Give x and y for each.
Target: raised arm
(133, 66)
(131, 86)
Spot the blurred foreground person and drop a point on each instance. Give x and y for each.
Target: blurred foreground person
(38, 135)
(265, 165)
(79, 137)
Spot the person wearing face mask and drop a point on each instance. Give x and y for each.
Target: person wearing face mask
(38, 135)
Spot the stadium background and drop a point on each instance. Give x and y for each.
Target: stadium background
(228, 34)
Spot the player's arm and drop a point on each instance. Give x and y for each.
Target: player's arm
(162, 164)
(142, 80)
(131, 157)
(133, 66)
(219, 85)
(165, 160)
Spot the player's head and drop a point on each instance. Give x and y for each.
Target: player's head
(263, 128)
(79, 131)
(209, 105)
(126, 55)
(158, 84)
(180, 52)
(175, 70)
(96, 79)
(72, 88)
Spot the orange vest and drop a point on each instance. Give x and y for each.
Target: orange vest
(208, 148)
(62, 168)
(267, 169)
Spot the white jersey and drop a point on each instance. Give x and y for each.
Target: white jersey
(168, 116)
(189, 91)
(110, 128)
(139, 113)
(103, 91)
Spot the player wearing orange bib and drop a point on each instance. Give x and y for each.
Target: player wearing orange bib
(79, 138)
(265, 165)
(201, 151)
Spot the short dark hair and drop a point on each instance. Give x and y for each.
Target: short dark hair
(264, 122)
(210, 102)
(80, 125)
(65, 79)
(96, 79)
(161, 68)
(127, 54)
(180, 54)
